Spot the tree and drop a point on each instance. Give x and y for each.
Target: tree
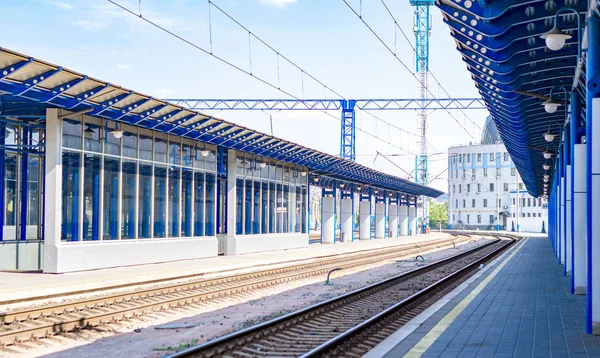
(438, 214)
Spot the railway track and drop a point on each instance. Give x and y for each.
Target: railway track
(352, 324)
(47, 320)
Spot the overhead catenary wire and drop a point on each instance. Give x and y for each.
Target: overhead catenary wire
(262, 80)
(403, 64)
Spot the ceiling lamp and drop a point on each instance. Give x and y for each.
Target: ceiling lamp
(547, 154)
(546, 176)
(545, 185)
(117, 133)
(342, 185)
(316, 179)
(555, 38)
(550, 106)
(546, 166)
(204, 152)
(549, 136)
(546, 180)
(262, 164)
(359, 188)
(303, 173)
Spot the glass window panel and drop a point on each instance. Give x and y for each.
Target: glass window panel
(174, 151)
(239, 210)
(304, 212)
(11, 135)
(272, 168)
(279, 195)
(264, 172)
(128, 200)
(199, 204)
(279, 172)
(160, 182)
(248, 207)
(10, 196)
(211, 161)
(70, 196)
(174, 198)
(111, 198)
(285, 209)
(186, 204)
(160, 150)
(272, 209)
(112, 145)
(199, 159)
(256, 215)
(34, 188)
(240, 164)
(71, 136)
(130, 143)
(145, 146)
(93, 137)
(187, 155)
(265, 208)
(298, 213)
(145, 201)
(91, 192)
(210, 205)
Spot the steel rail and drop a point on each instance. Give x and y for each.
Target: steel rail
(220, 345)
(40, 322)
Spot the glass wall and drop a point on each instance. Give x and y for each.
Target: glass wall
(142, 185)
(271, 197)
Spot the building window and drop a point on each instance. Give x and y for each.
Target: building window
(479, 219)
(456, 204)
(492, 219)
(523, 202)
(505, 186)
(453, 218)
(453, 188)
(468, 188)
(478, 187)
(498, 171)
(513, 172)
(528, 215)
(478, 157)
(506, 156)
(492, 158)
(460, 158)
(473, 203)
(522, 214)
(464, 173)
(485, 172)
(520, 186)
(528, 201)
(485, 203)
(491, 187)
(539, 201)
(468, 219)
(534, 202)
(468, 160)
(459, 188)
(513, 215)
(513, 201)
(464, 203)
(473, 173)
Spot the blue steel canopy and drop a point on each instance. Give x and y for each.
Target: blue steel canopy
(500, 42)
(56, 87)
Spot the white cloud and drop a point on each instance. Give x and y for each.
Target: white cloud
(62, 5)
(278, 3)
(122, 66)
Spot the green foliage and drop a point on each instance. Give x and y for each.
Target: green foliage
(438, 214)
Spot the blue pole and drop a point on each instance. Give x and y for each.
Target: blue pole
(131, 219)
(188, 209)
(566, 160)
(75, 212)
(146, 213)
(95, 199)
(113, 206)
(593, 91)
(573, 126)
(24, 187)
(2, 205)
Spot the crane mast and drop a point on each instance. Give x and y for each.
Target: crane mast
(422, 30)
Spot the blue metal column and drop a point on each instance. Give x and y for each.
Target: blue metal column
(348, 135)
(593, 145)
(573, 126)
(566, 161)
(96, 202)
(24, 202)
(2, 178)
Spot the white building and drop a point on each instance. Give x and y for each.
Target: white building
(483, 184)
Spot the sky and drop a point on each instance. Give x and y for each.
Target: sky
(323, 37)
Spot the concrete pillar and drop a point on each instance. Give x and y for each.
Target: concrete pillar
(403, 222)
(230, 246)
(328, 220)
(380, 220)
(364, 222)
(393, 218)
(559, 219)
(52, 191)
(579, 221)
(569, 248)
(412, 220)
(346, 220)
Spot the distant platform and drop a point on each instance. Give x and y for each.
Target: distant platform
(518, 306)
(19, 285)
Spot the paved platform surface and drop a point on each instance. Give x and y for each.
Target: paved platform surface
(14, 286)
(525, 310)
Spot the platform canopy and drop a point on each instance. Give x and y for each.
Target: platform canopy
(52, 86)
(514, 71)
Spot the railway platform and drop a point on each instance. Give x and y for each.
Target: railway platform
(518, 306)
(15, 286)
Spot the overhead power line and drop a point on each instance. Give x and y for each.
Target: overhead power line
(249, 72)
(402, 63)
